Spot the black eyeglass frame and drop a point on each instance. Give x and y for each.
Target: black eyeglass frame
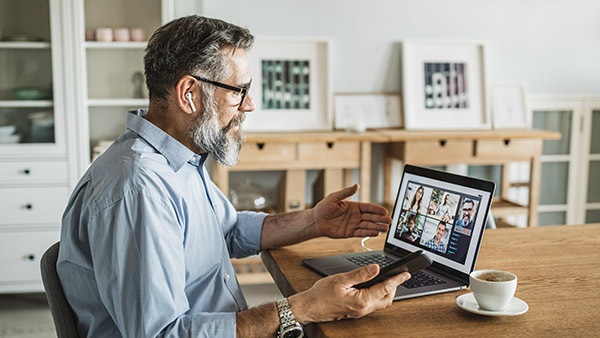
(242, 90)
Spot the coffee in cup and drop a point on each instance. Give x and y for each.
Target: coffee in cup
(493, 289)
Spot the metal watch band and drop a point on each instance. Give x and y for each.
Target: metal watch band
(289, 327)
(286, 317)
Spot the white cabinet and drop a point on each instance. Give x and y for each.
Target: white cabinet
(110, 72)
(570, 186)
(37, 154)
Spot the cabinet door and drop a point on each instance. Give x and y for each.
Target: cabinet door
(591, 163)
(558, 190)
(32, 105)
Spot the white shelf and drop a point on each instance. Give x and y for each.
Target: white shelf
(117, 102)
(115, 45)
(26, 103)
(24, 45)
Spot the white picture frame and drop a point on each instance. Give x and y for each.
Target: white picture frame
(360, 111)
(444, 85)
(291, 85)
(509, 106)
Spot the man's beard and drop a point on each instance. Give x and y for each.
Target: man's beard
(208, 135)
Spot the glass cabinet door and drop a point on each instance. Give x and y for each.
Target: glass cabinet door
(592, 165)
(558, 161)
(30, 119)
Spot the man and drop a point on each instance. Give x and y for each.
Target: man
(466, 219)
(435, 242)
(147, 237)
(409, 232)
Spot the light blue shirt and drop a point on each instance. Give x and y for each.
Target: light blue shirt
(146, 241)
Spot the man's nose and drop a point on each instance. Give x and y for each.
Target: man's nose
(247, 105)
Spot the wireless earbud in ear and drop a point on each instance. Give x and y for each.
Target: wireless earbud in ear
(188, 96)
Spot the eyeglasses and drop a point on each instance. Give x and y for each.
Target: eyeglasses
(242, 91)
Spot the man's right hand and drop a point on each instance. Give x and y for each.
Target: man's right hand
(334, 297)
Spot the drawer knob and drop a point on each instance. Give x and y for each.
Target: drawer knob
(26, 171)
(442, 143)
(28, 206)
(30, 257)
(330, 145)
(260, 145)
(506, 141)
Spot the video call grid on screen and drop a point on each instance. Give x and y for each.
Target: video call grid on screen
(459, 242)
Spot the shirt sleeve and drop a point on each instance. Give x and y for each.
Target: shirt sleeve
(139, 266)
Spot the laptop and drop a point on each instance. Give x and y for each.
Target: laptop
(441, 213)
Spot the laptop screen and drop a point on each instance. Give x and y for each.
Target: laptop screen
(441, 213)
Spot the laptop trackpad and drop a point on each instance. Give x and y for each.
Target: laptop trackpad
(330, 265)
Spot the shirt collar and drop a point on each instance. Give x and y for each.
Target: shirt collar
(176, 153)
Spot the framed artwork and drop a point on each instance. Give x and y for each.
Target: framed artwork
(291, 85)
(357, 112)
(444, 85)
(509, 108)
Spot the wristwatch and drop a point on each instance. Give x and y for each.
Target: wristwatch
(289, 327)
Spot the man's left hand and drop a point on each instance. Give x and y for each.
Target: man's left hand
(337, 217)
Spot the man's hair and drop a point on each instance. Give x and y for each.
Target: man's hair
(444, 224)
(191, 45)
(468, 201)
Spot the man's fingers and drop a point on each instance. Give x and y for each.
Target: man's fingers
(345, 193)
(360, 275)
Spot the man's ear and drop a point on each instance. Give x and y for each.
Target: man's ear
(187, 98)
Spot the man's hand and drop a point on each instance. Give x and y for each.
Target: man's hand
(337, 217)
(334, 297)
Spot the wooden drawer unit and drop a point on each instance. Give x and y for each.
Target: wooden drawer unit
(508, 149)
(20, 254)
(433, 152)
(342, 154)
(33, 172)
(264, 154)
(32, 205)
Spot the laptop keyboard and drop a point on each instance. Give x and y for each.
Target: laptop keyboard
(417, 280)
(364, 260)
(421, 279)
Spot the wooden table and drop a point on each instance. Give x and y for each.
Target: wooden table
(559, 277)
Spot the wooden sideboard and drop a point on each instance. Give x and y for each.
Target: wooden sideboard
(337, 153)
(485, 147)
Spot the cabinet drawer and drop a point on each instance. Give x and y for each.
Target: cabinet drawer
(20, 254)
(338, 154)
(32, 205)
(267, 152)
(33, 172)
(438, 152)
(508, 149)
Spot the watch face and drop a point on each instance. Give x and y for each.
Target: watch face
(293, 332)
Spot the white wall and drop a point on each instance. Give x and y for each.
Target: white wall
(552, 46)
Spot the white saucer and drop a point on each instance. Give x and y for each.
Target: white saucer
(467, 302)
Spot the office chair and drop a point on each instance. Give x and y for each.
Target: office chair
(62, 314)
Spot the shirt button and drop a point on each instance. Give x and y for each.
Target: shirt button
(227, 277)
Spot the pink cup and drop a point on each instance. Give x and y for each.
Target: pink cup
(121, 34)
(104, 34)
(137, 34)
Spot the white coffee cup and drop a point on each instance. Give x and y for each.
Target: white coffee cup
(493, 289)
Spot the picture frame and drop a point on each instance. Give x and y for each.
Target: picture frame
(509, 106)
(360, 111)
(444, 85)
(291, 85)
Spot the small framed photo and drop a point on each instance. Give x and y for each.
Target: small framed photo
(291, 85)
(360, 111)
(509, 107)
(444, 85)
